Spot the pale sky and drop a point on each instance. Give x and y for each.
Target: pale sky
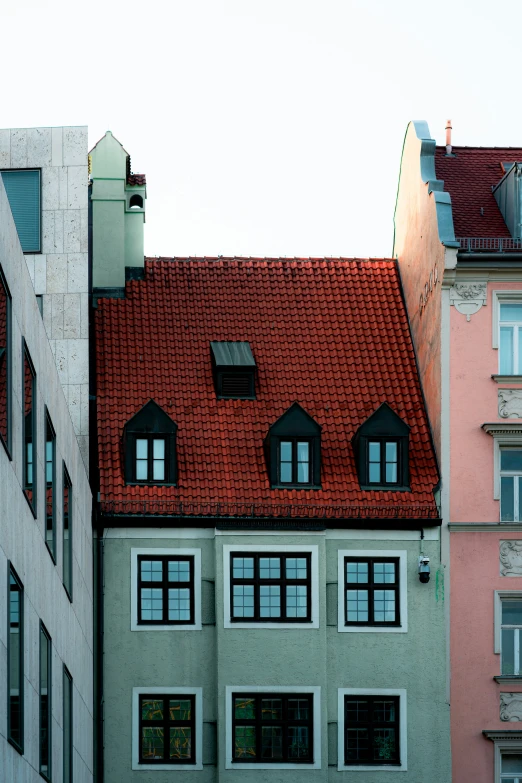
(265, 128)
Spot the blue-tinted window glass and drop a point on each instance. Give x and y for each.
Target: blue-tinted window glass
(506, 350)
(507, 503)
(511, 459)
(511, 312)
(23, 192)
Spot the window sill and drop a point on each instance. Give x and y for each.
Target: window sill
(384, 488)
(508, 679)
(150, 484)
(507, 378)
(296, 486)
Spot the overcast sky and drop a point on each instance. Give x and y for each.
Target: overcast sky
(265, 128)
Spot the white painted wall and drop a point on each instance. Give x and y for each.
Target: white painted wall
(60, 271)
(22, 542)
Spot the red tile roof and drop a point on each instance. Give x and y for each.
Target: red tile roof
(468, 177)
(136, 179)
(332, 335)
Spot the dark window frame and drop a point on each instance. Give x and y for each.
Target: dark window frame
(166, 724)
(67, 583)
(50, 487)
(5, 361)
(165, 585)
(45, 707)
(67, 683)
(26, 356)
(382, 441)
(384, 425)
(150, 438)
(11, 572)
(282, 582)
(371, 725)
(40, 205)
(152, 422)
(258, 723)
(294, 440)
(294, 424)
(371, 586)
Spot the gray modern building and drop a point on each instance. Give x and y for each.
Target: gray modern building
(273, 594)
(46, 584)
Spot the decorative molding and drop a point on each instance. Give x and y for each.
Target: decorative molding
(511, 558)
(511, 707)
(508, 679)
(511, 379)
(501, 429)
(485, 527)
(503, 735)
(510, 403)
(468, 298)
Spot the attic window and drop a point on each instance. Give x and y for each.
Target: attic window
(381, 446)
(234, 370)
(150, 447)
(293, 450)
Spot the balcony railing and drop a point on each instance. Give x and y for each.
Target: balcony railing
(490, 244)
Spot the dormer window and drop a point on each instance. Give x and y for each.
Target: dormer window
(150, 447)
(234, 370)
(381, 451)
(293, 450)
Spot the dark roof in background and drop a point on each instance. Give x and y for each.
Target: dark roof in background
(468, 177)
(330, 334)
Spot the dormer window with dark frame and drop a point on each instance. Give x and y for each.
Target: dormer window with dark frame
(381, 446)
(293, 450)
(234, 369)
(150, 447)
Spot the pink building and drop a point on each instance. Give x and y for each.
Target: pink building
(458, 238)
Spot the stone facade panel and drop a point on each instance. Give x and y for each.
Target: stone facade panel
(5, 148)
(57, 146)
(76, 185)
(77, 273)
(71, 230)
(39, 147)
(57, 317)
(78, 361)
(18, 148)
(71, 316)
(40, 274)
(74, 146)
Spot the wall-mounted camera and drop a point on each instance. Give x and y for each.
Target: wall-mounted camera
(424, 569)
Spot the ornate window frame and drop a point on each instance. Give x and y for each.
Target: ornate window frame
(504, 434)
(505, 742)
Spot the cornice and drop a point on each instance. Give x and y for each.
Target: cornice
(508, 679)
(499, 428)
(505, 735)
(485, 527)
(512, 379)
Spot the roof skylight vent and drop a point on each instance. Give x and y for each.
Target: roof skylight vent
(234, 370)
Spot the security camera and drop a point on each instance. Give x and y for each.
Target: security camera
(424, 569)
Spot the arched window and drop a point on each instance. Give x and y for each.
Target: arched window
(293, 450)
(381, 446)
(136, 202)
(150, 447)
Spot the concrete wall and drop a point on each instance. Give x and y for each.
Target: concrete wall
(216, 657)
(22, 542)
(60, 272)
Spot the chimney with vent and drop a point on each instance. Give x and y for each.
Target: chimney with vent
(449, 148)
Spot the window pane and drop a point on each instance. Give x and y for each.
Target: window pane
(512, 613)
(243, 600)
(67, 728)
(303, 471)
(49, 461)
(508, 651)
(141, 448)
(15, 679)
(391, 472)
(384, 572)
(375, 452)
(296, 601)
(245, 742)
(152, 570)
(158, 470)
(357, 711)
(151, 604)
(270, 601)
(245, 708)
(269, 568)
(243, 567)
(4, 350)
(67, 533)
(152, 709)
(181, 743)
(298, 742)
(298, 709)
(286, 451)
(511, 312)
(356, 572)
(357, 606)
(507, 502)
(45, 694)
(180, 709)
(296, 568)
(391, 452)
(357, 745)
(302, 452)
(286, 472)
(384, 711)
(152, 746)
(374, 473)
(511, 459)
(506, 350)
(179, 604)
(512, 762)
(271, 742)
(158, 449)
(384, 606)
(271, 709)
(179, 571)
(141, 470)
(384, 747)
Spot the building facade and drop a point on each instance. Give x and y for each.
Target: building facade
(267, 522)
(46, 585)
(457, 240)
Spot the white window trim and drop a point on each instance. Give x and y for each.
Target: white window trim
(403, 590)
(196, 553)
(198, 693)
(505, 742)
(315, 690)
(499, 596)
(498, 296)
(284, 549)
(403, 729)
(505, 435)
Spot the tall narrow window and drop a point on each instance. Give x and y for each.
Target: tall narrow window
(45, 702)
(29, 431)
(5, 358)
(50, 480)
(511, 767)
(510, 485)
(23, 192)
(67, 533)
(510, 343)
(67, 726)
(15, 662)
(511, 641)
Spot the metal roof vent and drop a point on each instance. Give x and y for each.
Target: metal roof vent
(234, 370)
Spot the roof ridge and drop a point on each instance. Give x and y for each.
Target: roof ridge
(370, 260)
